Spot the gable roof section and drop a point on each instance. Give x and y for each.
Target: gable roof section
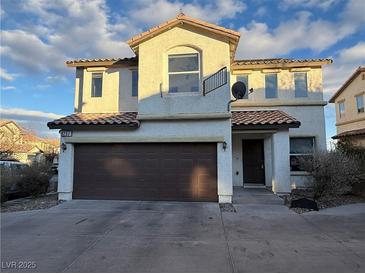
(183, 19)
(347, 83)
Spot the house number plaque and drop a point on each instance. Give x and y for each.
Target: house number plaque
(66, 133)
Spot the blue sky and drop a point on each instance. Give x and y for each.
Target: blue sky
(38, 36)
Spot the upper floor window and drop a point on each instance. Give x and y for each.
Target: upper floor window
(341, 109)
(184, 73)
(97, 85)
(134, 83)
(271, 85)
(244, 78)
(300, 80)
(301, 149)
(360, 103)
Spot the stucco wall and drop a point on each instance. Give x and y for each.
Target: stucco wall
(352, 120)
(286, 86)
(153, 71)
(162, 131)
(116, 91)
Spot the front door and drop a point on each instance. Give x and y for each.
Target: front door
(253, 161)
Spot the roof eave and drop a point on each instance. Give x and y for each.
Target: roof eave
(347, 83)
(266, 126)
(92, 126)
(282, 65)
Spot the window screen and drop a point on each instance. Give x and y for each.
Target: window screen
(271, 86)
(300, 79)
(97, 85)
(244, 79)
(184, 73)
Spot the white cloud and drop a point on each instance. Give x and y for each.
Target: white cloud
(8, 88)
(6, 75)
(322, 4)
(346, 61)
(64, 30)
(299, 33)
(155, 12)
(31, 119)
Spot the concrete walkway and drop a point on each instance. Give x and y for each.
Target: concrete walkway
(116, 236)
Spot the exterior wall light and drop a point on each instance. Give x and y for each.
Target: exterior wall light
(224, 145)
(63, 147)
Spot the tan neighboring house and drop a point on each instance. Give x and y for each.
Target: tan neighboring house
(22, 145)
(350, 113)
(158, 126)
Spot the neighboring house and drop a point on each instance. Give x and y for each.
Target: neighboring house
(350, 114)
(157, 126)
(22, 145)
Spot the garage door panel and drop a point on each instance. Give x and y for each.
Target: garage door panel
(172, 172)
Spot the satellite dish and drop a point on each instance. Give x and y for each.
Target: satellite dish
(239, 90)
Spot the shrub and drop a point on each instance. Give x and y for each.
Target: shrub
(333, 173)
(35, 179)
(9, 180)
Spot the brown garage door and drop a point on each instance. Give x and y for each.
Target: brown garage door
(159, 171)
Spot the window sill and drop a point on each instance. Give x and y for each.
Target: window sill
(180, 94)
(299, 173)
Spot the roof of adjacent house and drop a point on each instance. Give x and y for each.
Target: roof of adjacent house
(273, 118)
(126, 119)
(278, 63)
(181, 19)
(249, 118)
(347, 83)
(355, 132)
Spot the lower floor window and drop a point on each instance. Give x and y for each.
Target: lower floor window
(300, 149)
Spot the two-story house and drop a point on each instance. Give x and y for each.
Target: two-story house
(159, 126)
(350, 114)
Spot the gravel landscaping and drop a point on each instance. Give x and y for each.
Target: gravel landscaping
(29, 203)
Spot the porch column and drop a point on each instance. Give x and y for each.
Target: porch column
(280, 162)
(65, 172)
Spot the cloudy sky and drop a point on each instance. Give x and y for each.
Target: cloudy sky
(38, 36)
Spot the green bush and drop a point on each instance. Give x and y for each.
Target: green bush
(333, 173)
(34, 180)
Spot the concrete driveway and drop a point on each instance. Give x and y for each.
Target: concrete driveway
(116, 236)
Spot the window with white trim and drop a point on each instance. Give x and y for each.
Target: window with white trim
(360, 103)
(184, 72)
(341, 109)
(301, 148)
(97, 85)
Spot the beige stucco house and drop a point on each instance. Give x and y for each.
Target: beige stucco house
(159, 126)
(22, 145)
(350, 114)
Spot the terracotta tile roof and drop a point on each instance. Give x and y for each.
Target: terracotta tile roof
(279, 61)
(355, 132)
(347, 83)
(263, 117)
(181, 18)
(109, 61)
(127, 119)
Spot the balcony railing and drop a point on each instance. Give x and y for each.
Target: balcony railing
(215, 81)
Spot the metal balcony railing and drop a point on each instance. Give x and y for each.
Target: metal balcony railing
(215, 81)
